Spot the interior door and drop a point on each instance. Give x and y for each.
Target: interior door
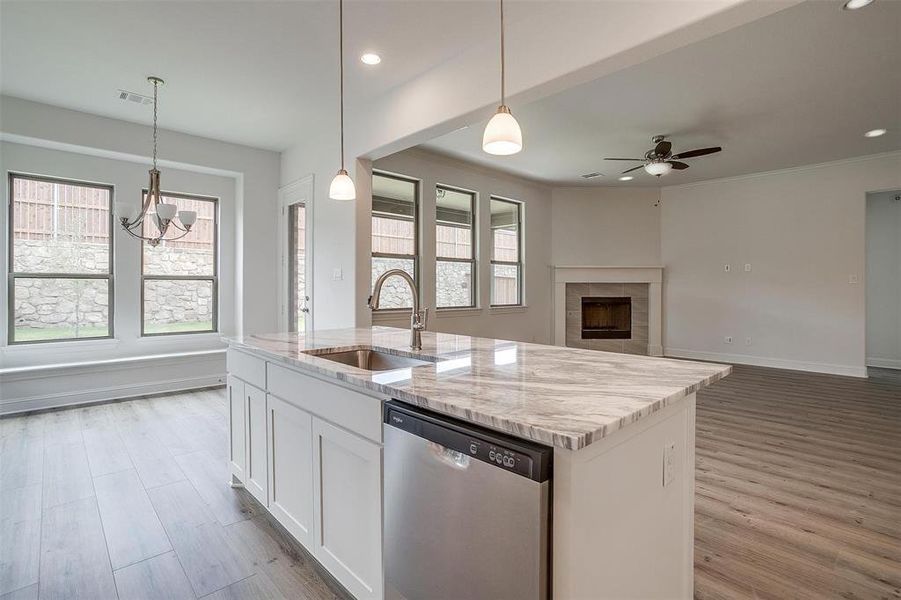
(295, 256)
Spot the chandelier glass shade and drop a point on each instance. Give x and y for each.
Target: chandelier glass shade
(164, 217)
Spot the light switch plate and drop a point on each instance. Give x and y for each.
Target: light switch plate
(337, 274)
(669, 463)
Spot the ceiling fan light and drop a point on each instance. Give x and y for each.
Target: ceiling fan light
(658, 168)
(855, 4)
(342, 187)
(503, 135)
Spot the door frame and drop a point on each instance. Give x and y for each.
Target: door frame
(299, 191)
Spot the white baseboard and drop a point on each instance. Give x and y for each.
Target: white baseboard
(108, 393)
(884, 363)
(763, 361)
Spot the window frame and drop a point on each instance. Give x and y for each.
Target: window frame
(12, 274)
(417, 223)
(214, 278)
(473, 234)
(519, 263)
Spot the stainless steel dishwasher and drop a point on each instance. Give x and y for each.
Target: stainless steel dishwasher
(466, 510)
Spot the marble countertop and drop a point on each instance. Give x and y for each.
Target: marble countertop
(563, 397)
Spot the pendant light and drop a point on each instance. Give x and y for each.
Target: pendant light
(342, 187)
(164, 214)
(502, 134)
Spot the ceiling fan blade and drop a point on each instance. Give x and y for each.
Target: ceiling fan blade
(663, 148)
(633, 169)
(632, 159)
(679, 166)
(694, 153)
(592, 175)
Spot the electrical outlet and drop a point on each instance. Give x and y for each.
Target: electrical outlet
(747, 267)
(337, 274)
(669, 463)
(748, 341)
(727, 268)
(727, 339)
(852, 279)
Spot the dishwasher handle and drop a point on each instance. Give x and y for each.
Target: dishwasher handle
(526, 459)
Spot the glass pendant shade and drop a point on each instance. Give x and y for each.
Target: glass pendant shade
(124, 210)
(187, 217)
(503, 135)
(342, 187)
(166, 211)
(658, 168)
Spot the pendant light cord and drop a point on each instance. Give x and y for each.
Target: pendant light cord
(503, 66)
(341, 69)
(156, 86)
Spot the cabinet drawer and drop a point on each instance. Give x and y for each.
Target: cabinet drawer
(249, 368)
(356, 412)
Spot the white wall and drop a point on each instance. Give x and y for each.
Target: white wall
(803, 233)
(47, 140)
(531, 323)
(884, 279)
(605, 227)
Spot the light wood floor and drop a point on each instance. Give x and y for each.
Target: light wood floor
(798, 486)
(798, 496)
(130, 500)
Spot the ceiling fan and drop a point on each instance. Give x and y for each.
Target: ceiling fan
(660, 160)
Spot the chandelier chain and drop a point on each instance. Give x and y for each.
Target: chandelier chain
(156, 85)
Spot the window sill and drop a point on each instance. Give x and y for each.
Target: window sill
(502, 310)
(85, 344)
(457, 312)
(203, 336)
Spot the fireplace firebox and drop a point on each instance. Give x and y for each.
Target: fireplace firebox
(607, 318)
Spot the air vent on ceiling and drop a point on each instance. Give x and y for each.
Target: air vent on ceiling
(136, 98)
(592, 175)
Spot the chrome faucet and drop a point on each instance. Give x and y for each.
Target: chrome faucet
(419, 316)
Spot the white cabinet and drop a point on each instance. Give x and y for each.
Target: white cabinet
(237, 423)
(291, 468)
(347, 508)
(257, 465)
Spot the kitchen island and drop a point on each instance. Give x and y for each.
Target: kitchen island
(307, 434)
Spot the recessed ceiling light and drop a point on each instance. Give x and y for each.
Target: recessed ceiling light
(626, 178)
(855, 4)
(371, 58)
(875, 133)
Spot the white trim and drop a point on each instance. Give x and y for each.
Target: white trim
(763, 361)
(103, 394)
(300, 191)
(883, 363)
(451, 311)
(504, 310)
(82, 344)
(800, 168)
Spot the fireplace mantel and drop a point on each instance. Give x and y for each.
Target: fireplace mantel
(651, 275)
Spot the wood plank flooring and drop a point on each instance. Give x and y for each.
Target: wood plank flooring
(798, 496)
(798, 486)
(129, 500)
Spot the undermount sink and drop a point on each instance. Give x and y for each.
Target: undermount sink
(373, 360)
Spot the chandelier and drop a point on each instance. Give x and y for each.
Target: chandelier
(161, 214)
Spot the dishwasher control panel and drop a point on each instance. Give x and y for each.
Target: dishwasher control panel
(523, 458)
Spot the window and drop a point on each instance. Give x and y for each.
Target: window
(297, 267)
(179, 279)
(60, 260)
(455, 275)
(506, 252)
(395, 204)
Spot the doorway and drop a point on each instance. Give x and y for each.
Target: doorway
(295, 256)
(883, 289)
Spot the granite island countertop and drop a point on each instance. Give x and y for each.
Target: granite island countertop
(565, 397)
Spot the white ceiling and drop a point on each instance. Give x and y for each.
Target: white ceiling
(798, 87)
(250, 72)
